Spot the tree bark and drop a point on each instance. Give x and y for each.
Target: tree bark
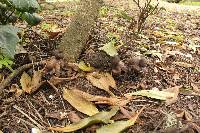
(76, 35)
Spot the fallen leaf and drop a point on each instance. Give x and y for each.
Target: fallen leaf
(195, 88)
(30, 85)
(110, 48)
(161, 95)
(175, 91)
(113, 101)
(119, 126)
(102, 81)
(183, 114)
(183, 64)
(84, 67)
(73, 117)
(26, 82)
(59, 114)
(101, 117)
(80, 103)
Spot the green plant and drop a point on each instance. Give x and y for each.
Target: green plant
(10, 11)
(4, 61)
(104, 11)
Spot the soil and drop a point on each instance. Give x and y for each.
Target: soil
(43, 107)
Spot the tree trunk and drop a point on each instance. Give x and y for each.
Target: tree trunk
(76, 35)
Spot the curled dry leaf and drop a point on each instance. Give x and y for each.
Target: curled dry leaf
(29, 84)
(119, 126)
(15, 88)
(80, 103)
(102, 81)
(101, 117)
(113, 101)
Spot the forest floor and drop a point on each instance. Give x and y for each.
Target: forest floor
(170, 44)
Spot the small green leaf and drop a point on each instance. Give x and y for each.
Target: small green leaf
(31, 19)
(110, 48)
(84, 67)
(101, 117)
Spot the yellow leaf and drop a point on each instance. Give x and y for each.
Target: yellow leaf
(102, 81)
(80, 103)
(84, 67)
(160, 95)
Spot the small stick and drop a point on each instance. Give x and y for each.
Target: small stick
(31, 119)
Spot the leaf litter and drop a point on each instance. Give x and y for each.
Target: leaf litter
(166, 43)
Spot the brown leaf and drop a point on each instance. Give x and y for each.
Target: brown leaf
(60, 115)
(15, 88)
(174, 90)
(184, 114)
(102, 81)
(30, 85)
(26, 82)
(80, 103)
(73, 117)
(113, 101)
(195, 88)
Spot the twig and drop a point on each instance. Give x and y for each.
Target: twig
(36, 123)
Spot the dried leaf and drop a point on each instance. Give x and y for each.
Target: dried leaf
(13, 88)
(175, 91)
(101, 117)
(161, 95)
(119, 126)
(183, 64)
(113, 101)
(29, 84)
(102, 81)
(195, 88)
(26, 82)
(84, 67)
(80, 103)
(73, 117)
(59, 114)
(183, 114)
